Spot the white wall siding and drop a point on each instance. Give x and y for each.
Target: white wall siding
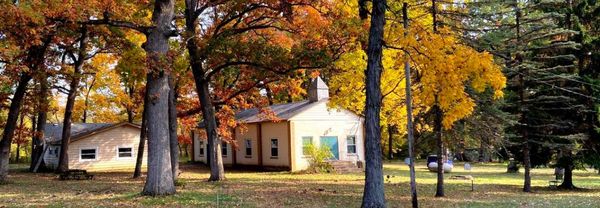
(106, 144)
(319, 121)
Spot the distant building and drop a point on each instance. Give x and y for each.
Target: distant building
(95, 146)
(282, 144)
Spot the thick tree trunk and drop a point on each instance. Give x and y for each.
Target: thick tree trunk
(143, 138)
(42, 116)
(174, 142)
(11, 123)
(567, 182)
(374, 194)
(63, 161)
(217, 172)
(439, 191)
(160, 176)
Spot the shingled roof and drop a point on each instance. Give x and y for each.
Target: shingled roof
(53, 132)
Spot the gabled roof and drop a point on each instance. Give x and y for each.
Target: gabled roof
(53, 132)
(282, 111)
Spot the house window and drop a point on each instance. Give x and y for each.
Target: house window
(274, 148)
(351, 144)
(248, 147)
(201, 149)
(306, 141)
(125, 152)
(87, 154)
(224, 149)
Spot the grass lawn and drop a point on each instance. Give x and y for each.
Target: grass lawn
(493, 188)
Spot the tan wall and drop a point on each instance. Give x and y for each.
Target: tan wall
(202, 158)
(106, 144)
(320, 121)
(279, 130)
(251, 133)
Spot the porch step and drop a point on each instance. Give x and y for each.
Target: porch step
(340, 166)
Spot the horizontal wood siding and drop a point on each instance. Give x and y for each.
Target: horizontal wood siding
(107, 144)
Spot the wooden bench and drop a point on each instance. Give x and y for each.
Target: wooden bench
(75, 174)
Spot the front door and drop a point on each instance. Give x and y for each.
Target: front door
(332, 143)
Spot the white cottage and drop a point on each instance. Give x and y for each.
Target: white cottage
(280, 144)
(95, 146)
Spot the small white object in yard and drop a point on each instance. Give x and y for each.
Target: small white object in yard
(407, 161)
(433, 167)
(467, 166)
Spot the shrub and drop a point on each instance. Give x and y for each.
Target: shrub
(317, 159)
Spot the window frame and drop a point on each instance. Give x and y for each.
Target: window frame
(125, 158)
(303, 145)
(201, 148)
(276, 148)
(224, 152)
(248, 148)
(353, 144)
(96, 154)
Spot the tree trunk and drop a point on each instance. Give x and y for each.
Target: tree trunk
(87, 101)
(214, 158)
(217, 172)
(439, 192)
(160, 177)
(63, 161)
(173, 140)
(527, 166)
(33, 144)
(42, 116)
(409, 119)
(130, 114)
(21, 126)
(374, 194)
(567, 182)
(11, 123)
(481, 151)
(391, 132)
(143, 138)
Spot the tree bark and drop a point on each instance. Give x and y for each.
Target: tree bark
(87, 100)
(42, 116)
(374, 194)
(63, 161)
(130, 114)
(569, 164)
(409, 119)
(143, 138)
(21, 126)
(35, 59)
(439, 192)
(11, 123)
(173, 140)
(217, 172)
(160, 176)
(391, 132)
